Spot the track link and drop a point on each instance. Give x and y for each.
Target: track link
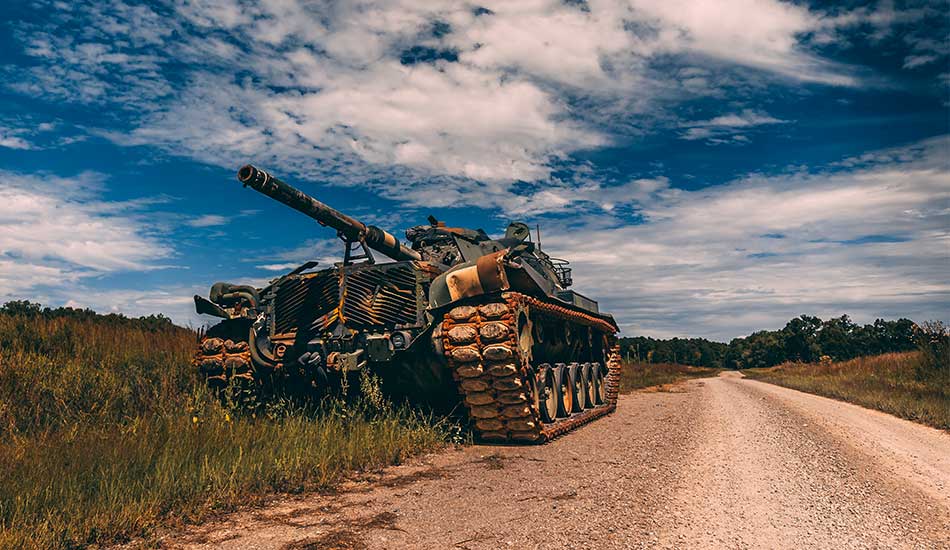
(222, 360)
(480, 341)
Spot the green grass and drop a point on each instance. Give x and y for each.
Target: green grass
(634, 376)
(897, 383)
(105, 434)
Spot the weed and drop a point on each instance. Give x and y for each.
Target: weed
(634, 376)
(933, 342)
(902, 384)
(106, 434)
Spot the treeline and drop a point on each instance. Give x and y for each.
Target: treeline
(150, 323)
(697, 352)
(806, 339)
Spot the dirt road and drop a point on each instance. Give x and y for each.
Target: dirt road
(724, 463)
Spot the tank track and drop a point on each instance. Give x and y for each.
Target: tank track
(221, 361)
(480, 342)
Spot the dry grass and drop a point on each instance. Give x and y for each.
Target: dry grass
(106, 434)
(635, 376)
(895, 383)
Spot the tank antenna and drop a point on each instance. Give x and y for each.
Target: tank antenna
(537, 227)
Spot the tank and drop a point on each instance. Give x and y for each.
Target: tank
(452, 316)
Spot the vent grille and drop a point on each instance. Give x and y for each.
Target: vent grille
(380, 297)
(299, 300)
(375, 296)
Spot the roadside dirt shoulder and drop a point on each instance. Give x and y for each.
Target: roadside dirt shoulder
(600, 487)
(720, 463)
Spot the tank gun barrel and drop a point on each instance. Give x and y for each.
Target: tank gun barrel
(349, 228)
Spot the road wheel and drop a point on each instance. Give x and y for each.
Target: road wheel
(600, 383)
(565, 387)
(549, 394)
(587, 388)
(577, 394)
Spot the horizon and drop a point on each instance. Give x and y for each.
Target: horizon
(43, 309)
(707, 174)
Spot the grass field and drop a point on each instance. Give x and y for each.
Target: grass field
(634, 376)
(105, 433)
(901, 384)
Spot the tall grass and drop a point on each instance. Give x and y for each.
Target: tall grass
(634, 375)
(903, 384)
(105, 433)
(57, 372)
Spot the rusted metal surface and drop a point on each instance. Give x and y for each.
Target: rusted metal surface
(221, 361)
(382, 296)
(480, 340)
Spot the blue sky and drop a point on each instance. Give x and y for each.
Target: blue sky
(710, 168)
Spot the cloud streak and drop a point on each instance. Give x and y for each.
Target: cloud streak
(723, 128)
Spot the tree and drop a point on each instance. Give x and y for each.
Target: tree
(837, 338)
(801, 339)
(804, 338)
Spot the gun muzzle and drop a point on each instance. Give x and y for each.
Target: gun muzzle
(348, 227)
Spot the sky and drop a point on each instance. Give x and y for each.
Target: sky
(709, 168)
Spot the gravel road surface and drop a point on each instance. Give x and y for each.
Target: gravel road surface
(719, 463)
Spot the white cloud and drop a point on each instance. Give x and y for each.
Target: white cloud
(23, 133)
(278, 267)
(10, 138)
(562, 196)
(869, 240)
(325, 251)
(919, 26)
(914, 61)
(13, 142)
(321, 91)
(57, 231)
(740, 120)
(175, 302)
(724, 128)
(208, 220)
(318, 90)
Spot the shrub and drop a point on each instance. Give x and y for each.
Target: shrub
(933, 342)
(896, 383)
(635, 375)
